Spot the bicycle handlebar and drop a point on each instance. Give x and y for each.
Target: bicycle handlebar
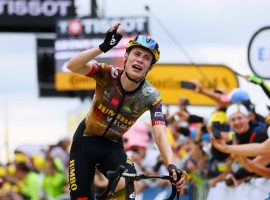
(114, 177)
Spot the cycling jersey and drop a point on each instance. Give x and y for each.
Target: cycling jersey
(115, 110)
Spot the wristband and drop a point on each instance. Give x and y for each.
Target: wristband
(179, 173)
(170, 167)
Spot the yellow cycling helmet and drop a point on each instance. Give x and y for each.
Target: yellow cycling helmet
(147, 43)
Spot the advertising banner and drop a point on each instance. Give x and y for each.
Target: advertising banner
(166, 78)
(33, 15)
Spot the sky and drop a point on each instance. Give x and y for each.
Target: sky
(209, 31)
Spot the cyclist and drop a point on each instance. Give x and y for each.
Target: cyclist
(121, 97)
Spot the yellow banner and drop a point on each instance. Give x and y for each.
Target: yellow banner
(166, 78)
(71, 81)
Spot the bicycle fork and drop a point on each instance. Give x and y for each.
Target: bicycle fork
(130, 190)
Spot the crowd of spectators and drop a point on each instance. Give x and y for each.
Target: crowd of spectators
(40, 176)
(206, 146)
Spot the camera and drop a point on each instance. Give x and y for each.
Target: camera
(217, 128)
(187, 85)
(228, 182)
(185, 102)
(183, 128)
(204, 129)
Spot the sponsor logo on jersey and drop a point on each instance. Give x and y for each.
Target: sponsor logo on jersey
(72, 177)
(114, 72)
(115, 101)
(147, 91)
(107, 95)
(98, 113)
(158, 122)
(132, 196)
(120, 119)
(127, 109)
(158, 114)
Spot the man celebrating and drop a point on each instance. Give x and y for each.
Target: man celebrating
(121, 97)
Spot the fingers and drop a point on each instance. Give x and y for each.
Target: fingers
(114, 27)
(217, 144)
(174, 175)
(180, 185)
(121, 32)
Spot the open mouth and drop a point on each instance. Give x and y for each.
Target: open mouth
(238, 127)
(137, 68)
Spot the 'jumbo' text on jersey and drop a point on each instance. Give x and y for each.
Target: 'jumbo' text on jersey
(115, 110)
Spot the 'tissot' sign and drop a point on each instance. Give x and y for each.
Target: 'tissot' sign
(29, 15)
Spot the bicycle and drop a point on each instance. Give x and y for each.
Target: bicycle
(114, 177)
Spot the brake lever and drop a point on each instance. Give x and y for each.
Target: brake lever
(113, 177)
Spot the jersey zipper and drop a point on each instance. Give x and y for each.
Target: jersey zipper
(116, 113)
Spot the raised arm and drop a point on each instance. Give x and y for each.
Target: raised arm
(257, 165)
(259, 81)
(252, 149)
(81, 63)
(211, 94)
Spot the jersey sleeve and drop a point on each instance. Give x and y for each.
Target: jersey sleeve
(100, 71)
(96, 67)
(157, 116)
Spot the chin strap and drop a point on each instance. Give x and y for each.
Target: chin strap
(133, 80)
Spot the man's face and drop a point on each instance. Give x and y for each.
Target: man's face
(239, 122)
(138, 62)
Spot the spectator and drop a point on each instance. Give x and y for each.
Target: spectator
(54, 180)
(240, 96)
(247, 131)
(219, 163)
(28, 182)
(61, 150)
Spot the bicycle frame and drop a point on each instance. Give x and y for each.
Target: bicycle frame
(114, 177)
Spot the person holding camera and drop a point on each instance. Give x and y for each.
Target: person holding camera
(246, 131)
(218, 163)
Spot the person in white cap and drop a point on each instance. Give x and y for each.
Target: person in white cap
(246, 131)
